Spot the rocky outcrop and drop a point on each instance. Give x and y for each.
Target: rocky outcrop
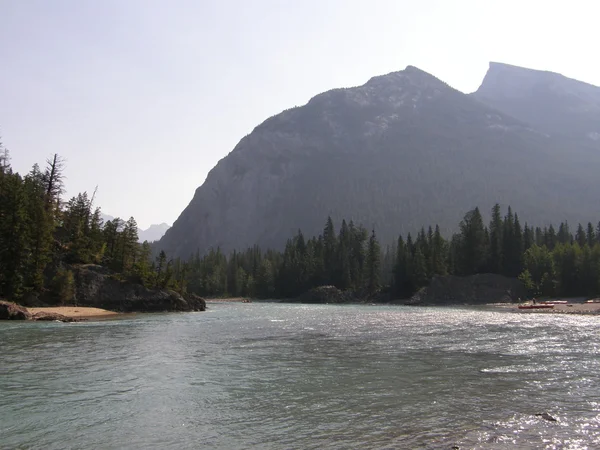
(54, 317)
(12, 311)
(95, 286)
(326, 294)
(472, 290)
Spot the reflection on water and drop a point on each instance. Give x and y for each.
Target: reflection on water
(298, 376)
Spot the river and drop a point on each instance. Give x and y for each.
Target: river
(283, 376)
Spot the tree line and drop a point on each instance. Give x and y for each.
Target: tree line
(42, 237)
(549, 261)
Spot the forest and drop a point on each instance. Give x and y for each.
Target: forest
(43, 237)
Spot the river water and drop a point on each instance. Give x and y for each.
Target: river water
(282, 376)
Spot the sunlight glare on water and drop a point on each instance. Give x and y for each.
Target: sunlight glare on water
(303, 376)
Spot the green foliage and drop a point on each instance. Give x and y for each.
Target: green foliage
(41, 237)
(527, 281)
(63, 286)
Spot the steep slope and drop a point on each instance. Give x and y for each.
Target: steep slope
(402, 151)
(557, 105)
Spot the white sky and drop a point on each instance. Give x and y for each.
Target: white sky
(143, 97)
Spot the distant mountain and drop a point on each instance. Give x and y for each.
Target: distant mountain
(404, 150)
(106, 217)
(154, 233)
(552, 103)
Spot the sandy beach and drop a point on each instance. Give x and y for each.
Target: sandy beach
(76, 312)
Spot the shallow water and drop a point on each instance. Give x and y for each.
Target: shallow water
(280, 376)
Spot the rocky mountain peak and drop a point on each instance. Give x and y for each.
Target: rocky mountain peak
(402, 151)
(550, 102)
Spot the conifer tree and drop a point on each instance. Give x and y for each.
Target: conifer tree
(590, 235)
(581, 236)
(373, 269)
(329, 251)
(439, 254)
(496, 242)
(473, 251)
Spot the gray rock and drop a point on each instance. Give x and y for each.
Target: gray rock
(12, 311)
(53, 317)
(547, 417)
(96, 287)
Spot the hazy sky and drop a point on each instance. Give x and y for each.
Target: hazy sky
(143, 97)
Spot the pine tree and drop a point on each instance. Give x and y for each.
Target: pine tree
(373, 269)
(496, 244)
(329, 251)
(130, 246)
(473, 254)
(439, 254)
(564, 234)
(419, 274)
(581, 236)
(402, 274)
(590, 235)
(550, 238)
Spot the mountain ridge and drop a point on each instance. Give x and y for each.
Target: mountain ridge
(401, 151)
(562, 107)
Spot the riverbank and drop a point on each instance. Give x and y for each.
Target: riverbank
(75, 312)
(573, 306)
(228, 300)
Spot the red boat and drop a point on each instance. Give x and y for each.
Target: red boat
(536, 306)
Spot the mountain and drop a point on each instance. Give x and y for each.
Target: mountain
(404, 150)
(552, 103)
(153, 233)
(106, 217)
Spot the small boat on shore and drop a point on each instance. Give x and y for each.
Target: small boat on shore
(538, 306)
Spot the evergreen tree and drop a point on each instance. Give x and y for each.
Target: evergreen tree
(329, 251)
(496, 243)
(373, 272)
(581, 236)
(473, 251)
(439, 254)
(590, 235)
(402, 272)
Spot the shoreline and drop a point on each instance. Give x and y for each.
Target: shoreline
(229, 300)
(76, 312)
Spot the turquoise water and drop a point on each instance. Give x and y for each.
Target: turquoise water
(280, 376)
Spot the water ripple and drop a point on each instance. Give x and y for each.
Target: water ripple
(271, 376)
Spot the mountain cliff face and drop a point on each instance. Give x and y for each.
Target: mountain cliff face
(559, 106)
(402, 151)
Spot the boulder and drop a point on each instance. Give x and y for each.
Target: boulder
(12, 311)
(52, 317)
(472, 290)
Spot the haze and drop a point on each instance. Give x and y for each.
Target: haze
(144, 97)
